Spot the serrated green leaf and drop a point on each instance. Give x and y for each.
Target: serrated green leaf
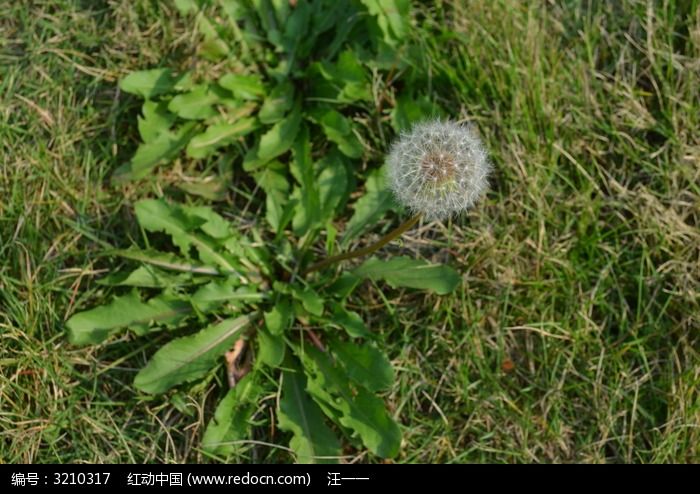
(151, 83)
(338, 129)
(251, 162)
(279, 216)
(320, 86)
(231, 421)
(392, 16)
(296, 27)
(338, 17)
(248, 87)
(376, 201)
(219, 135)
(209, 221)
(277, 103)
(278, 319)
(347, 69)
(273, 180)
(332, 186)
(350, 321)
(358, 409)
(348, 75)
(307, 211)
(156, 215)
(310, 300)
(270, 13)
(280, 137)
(162, 149)
(156, 120)
(305, 214)
(215, 293)
(271, 348)
(312, 441)
(95, 325)
(411, 273)
(273, 177)
(191, 357)
(196, 104)
(168, 261)
(367, 416)
(145, 277)
(365, 364)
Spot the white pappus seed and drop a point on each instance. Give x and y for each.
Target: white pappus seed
(438, 169)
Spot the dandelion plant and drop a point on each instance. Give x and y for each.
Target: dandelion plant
(256, 311)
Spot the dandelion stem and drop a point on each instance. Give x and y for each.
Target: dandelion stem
(402, 228)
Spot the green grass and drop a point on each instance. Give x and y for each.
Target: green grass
(575, 334)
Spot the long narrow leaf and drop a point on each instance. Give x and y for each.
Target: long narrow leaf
(168, 261)
(352, 406)
(191, 357)
(365, 364)
(312, 441)
(231, 421)
(411, 273)
(96, 325)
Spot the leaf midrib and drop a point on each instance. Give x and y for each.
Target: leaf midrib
(237, 324)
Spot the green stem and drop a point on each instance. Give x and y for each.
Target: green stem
(403, 227)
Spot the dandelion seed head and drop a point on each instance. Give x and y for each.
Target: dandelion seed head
(438, 168)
